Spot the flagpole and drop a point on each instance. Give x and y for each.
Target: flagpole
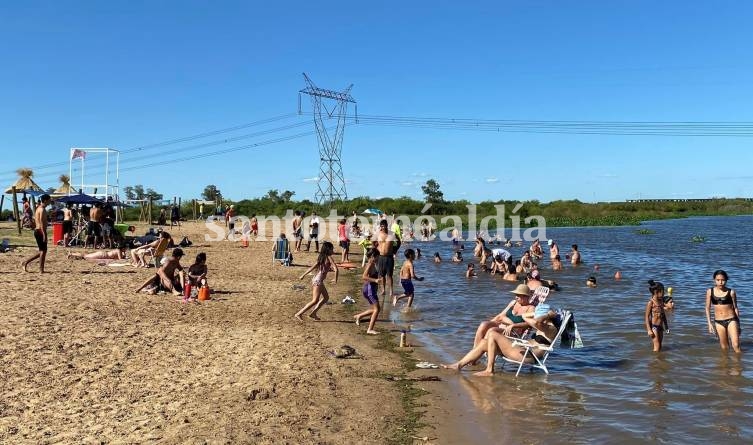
(70, 170)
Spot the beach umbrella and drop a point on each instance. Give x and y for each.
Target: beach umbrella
(65, 187)
(79, 198)
(372, 211)
(24, 182)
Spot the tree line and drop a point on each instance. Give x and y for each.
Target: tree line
(560, 213)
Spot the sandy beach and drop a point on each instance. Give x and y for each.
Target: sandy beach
(86, 359)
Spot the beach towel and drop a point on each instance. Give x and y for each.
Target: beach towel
(571, 337)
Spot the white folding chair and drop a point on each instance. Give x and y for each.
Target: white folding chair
(538, 362)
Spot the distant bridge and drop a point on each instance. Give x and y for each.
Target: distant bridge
(688, 199)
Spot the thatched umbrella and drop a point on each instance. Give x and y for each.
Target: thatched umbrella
(65, 188)
(25, 182)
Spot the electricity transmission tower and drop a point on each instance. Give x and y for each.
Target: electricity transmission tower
(331, 184)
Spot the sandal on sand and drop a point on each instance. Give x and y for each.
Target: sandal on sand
(426, 365)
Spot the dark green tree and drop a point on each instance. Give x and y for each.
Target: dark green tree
(273, 195)
(211, 193)
(151, 194)
(432, 192)
(286, 195)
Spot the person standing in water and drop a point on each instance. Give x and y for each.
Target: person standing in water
(726, 323)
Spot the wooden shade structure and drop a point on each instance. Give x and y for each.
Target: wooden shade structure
(65, 187)
(24, 182)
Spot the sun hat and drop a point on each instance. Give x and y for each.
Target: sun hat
(522, 289)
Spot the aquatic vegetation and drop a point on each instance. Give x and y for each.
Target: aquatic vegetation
(698, 239)
(645, 232)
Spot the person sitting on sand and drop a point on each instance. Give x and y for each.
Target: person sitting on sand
(197, 273)
(545, 321)
(165, 278)
(115, 254)
(138, 254)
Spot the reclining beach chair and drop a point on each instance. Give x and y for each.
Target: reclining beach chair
(282, 253)
(538, 362)
(158, 252)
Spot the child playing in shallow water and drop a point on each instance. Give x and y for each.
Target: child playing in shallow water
(407, 273)
(656, 318)
(370, 279)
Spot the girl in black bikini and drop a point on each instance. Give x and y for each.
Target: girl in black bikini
(656, 319)
(726, 323)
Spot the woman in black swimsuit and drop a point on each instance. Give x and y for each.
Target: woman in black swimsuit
(726, 323)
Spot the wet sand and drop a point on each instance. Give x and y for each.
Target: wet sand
(85, 359)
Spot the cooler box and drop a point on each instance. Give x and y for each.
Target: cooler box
(57, 232)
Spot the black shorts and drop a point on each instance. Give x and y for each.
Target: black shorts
(385, 265)
(41, 241)
(345, 244)
(94, 228)
(67, 226)
(313, 235)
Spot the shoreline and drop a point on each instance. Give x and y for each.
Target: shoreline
(109, 364)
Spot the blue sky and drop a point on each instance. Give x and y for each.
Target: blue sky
(129, 74)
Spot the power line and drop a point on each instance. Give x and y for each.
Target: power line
(98, 167)
(179, 140)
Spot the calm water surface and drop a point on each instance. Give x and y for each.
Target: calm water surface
(615, 389)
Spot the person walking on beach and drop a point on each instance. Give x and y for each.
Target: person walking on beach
(342, 236)
(67, 224)
(319, 295)
(40, 233)
(313, 232)
(726, 323)
(297, 230)
(370, 290)
(407, 273)
(656, 318)
(174, 216)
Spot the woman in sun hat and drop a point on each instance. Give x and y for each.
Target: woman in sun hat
(511, 317)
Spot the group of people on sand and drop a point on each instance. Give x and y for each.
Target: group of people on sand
(171, 277)
(377, 276)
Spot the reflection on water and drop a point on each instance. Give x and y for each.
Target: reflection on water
(615, 390)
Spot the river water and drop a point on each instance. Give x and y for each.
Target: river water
(615, 389)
